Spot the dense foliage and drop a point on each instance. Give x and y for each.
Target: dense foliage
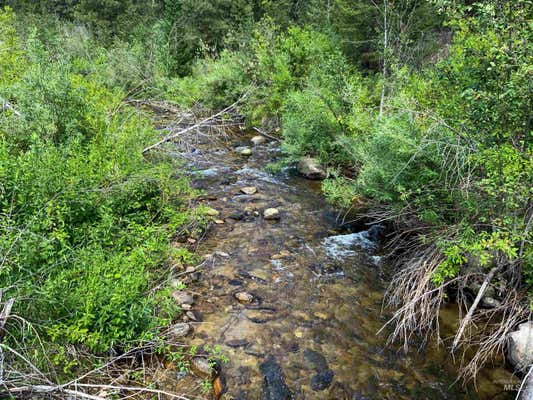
(86, 221)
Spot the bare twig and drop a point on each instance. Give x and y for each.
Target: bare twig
(478, 298)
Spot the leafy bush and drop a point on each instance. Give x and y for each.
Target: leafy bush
(283, 63)
(214, 82)
(87, 222)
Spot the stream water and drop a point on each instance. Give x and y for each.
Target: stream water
(310, 330)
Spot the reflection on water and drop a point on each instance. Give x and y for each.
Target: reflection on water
(317, 298)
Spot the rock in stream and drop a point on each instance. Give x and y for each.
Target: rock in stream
(274, 386)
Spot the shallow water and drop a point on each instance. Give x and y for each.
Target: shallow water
(318, 293)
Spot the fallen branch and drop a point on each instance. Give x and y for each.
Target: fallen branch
(133, 389)
(470, 313)
(52, 389)
(266, 134)
(193, 127)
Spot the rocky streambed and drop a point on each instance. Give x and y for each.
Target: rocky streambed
(293, 299)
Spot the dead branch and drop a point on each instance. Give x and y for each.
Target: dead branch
(197, 125)
(262, 132)
(133, 389)
(478, 298)
(4, 315)
(51, 389)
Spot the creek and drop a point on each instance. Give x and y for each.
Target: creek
(311, 293)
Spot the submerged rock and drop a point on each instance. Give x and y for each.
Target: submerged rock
(260, 316)
(237, 215)
(322, 380)
(324, 376)
(271, 214)
(254, 350)
(311, 168)
(237, 343)
(317, 360)
(520, 346)
(274, 386)
(244, 297)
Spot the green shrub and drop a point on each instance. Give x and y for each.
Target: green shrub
(214, 82)
(86, 222)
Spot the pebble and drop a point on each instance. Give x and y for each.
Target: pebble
(221, 254)
(219, 221)
(186, 307)
(192, 316)
(182, 297)
(271, 213)
(244, 297)
(249, 190)
(246, 152)
(180, 330)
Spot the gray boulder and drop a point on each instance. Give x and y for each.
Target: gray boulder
(520, 346)
(311, 168)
